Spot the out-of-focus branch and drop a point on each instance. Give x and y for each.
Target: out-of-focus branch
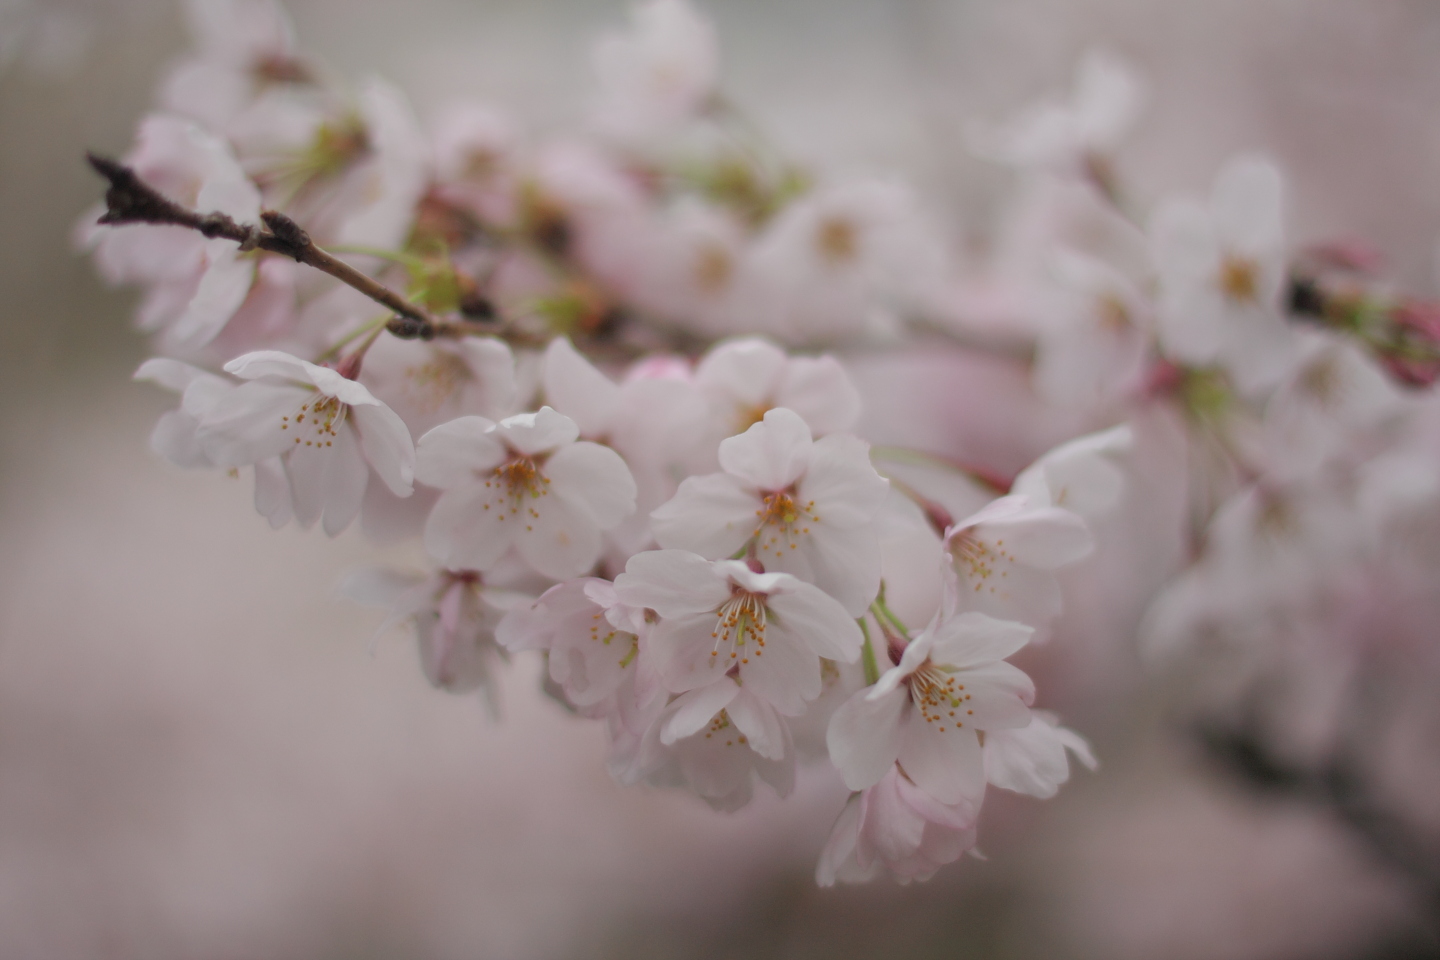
(1338, 786)
(130, 199)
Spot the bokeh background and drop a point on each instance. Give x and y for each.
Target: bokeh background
(200, 756)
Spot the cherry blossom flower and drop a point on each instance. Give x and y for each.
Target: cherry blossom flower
(1075, 136)
(927, 711)
(592, 640)
(716, 741)
(1081, 475)
(1002, 558)
(897, 827)
(1092, 337)
(1031, 759)
(807, 506)
(454, 615)
(745, 379)
(721, 617)
(196, 285)
(524, 483)
(662, 71)
(1222, 272)
(328, 432)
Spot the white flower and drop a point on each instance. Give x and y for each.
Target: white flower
(951, 683)
(716, 740)
(1031, 759)
(1093, 334)
(1003, 557)
(329, 433)
(197, 285)
(896, 826)
(591, 638)
(391, 182)
(1069, 136)
(1080, 475)
(745, 379)
(1222, 275)
(524, 482)
(719, 618)
(833, 260)
(430, 383)
(807, 506)
(454, 614)
(659, 73)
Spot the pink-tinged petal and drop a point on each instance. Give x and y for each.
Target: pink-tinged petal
(596, 477)
(174, 439)
(841, 480)
(556, 536)
(673, 583)
(1022, 593)
(226, 187)
(681, 647)
(454, 453)
(745, 371)
(763, 728)
(973, 639)
(957, 816)
(1046, 538)
(462, 535)
(837, 860)
(999, 694)
(845, 563)
(814, 618)
(247, 426)
(712, 515)
(947, 764)
(272, 492)
(576, 389)
(346, 476)
(819, 389)
(270, 363)
(495, 391)
(333, 384)
(785, 674)
(170, 374)
(1247, 204)
(692, 712)
(864, 736)
(305, 469)
(223, 288)
(385, 440)
(539, 432)
(893, 830)
(772, 454)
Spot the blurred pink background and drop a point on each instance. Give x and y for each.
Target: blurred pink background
(200, 757)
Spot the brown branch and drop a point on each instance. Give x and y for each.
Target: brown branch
(131, 200)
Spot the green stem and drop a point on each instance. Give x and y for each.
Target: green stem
(351, 337)
(867, 656)
(881, 609)
(404, 259)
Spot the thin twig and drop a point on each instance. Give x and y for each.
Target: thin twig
(131, 200)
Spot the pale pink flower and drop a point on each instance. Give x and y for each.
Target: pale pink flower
(1074, 134)
(1222, 275)
(806, 506)
(454, 615)
(927, 711)
(196, 285)
(745, 379)
(1032, 759)
(1092, 334)
(719, 618)
(524, 483)
(328, 432)
(592, 640)
(1083, 475)
(895, 826)
(716, 741)
(659, 73)
(430, 383)
(1003, 558)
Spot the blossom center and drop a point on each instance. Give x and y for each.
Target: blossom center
(1238, 278)
(939, 696)
(837, 241)
(720, 726)
(315, 422)
(977, 561)
(513, 483)
(739, 630)
(713, 268)
(433, 383)
(781, 521)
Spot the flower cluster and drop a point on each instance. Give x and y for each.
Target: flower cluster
(585, 373)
